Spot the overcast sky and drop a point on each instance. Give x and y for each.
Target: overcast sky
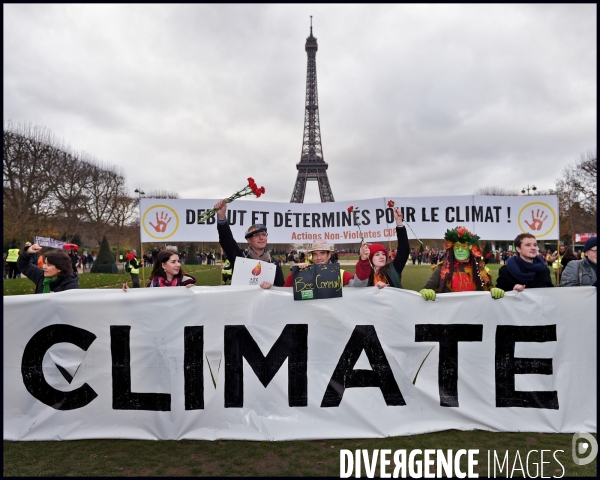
(414, 100)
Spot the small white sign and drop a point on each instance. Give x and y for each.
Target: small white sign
(248, 271)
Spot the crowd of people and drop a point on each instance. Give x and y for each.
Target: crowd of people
(459, 267)
(202, 258)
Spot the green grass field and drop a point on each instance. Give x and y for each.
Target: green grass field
(244, 458)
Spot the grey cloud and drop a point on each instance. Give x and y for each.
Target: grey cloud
(430, 99)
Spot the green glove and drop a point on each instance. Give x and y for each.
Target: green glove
(497, 293)
(429, 294)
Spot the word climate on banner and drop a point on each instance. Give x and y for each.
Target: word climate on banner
(490, 217)
(198, 363)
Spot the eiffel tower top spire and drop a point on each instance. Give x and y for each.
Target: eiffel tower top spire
(311, 42)
(311, 165)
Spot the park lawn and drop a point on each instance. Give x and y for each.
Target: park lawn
(292, 458)
(245, 458)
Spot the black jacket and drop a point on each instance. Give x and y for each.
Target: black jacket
(36, 275)
(232, 250)
(507, 282)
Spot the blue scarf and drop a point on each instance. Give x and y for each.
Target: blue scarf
(524, 272)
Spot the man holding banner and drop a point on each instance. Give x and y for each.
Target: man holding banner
(526, 269)
(256, 236)
(321, 254)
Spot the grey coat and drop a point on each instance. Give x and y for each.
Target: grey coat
(576, 270)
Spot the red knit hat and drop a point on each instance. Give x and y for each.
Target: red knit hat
(376, 247)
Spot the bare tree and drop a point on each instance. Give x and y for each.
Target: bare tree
(69, 178)
(161, 194)
(577, 193)
(582, 178)
(101, 195)
(125, 216)
(47, 187)
(26, 194)
(496, 190)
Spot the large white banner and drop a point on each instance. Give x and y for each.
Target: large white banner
(490, 217)
(246, 363)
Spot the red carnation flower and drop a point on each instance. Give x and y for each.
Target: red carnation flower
(350, 209)
(461, 231)
(249, 189)
(391, 204)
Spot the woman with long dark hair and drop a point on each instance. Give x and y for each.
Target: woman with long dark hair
(382, 273)
(56, 275)
(167, 272)
(568, 256)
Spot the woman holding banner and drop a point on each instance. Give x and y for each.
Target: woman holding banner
(57, 274)
(379, 272)
(167, 272)
(462, 270)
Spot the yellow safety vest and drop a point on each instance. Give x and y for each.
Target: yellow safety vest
(226, 268)
(134, 271)
(556, 265)
(13, 255)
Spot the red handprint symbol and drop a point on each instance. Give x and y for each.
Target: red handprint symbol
(161, 223)
(536, 220)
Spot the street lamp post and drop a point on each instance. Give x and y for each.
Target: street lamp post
(527, 188)
(140, 192)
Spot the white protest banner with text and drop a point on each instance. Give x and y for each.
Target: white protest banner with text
(48, 242)
(490, 217)
(247, 363)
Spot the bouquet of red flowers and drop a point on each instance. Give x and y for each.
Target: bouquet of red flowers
(250, 189)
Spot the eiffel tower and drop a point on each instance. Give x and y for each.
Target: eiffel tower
(311, 165)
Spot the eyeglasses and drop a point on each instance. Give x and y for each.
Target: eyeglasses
(593, 250)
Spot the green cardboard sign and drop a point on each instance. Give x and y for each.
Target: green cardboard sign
(317, 281)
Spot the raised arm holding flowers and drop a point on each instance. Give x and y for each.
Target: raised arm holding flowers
(251, 189)
(256, 235)
(391, 204)
(379, 272)
(362, 237)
